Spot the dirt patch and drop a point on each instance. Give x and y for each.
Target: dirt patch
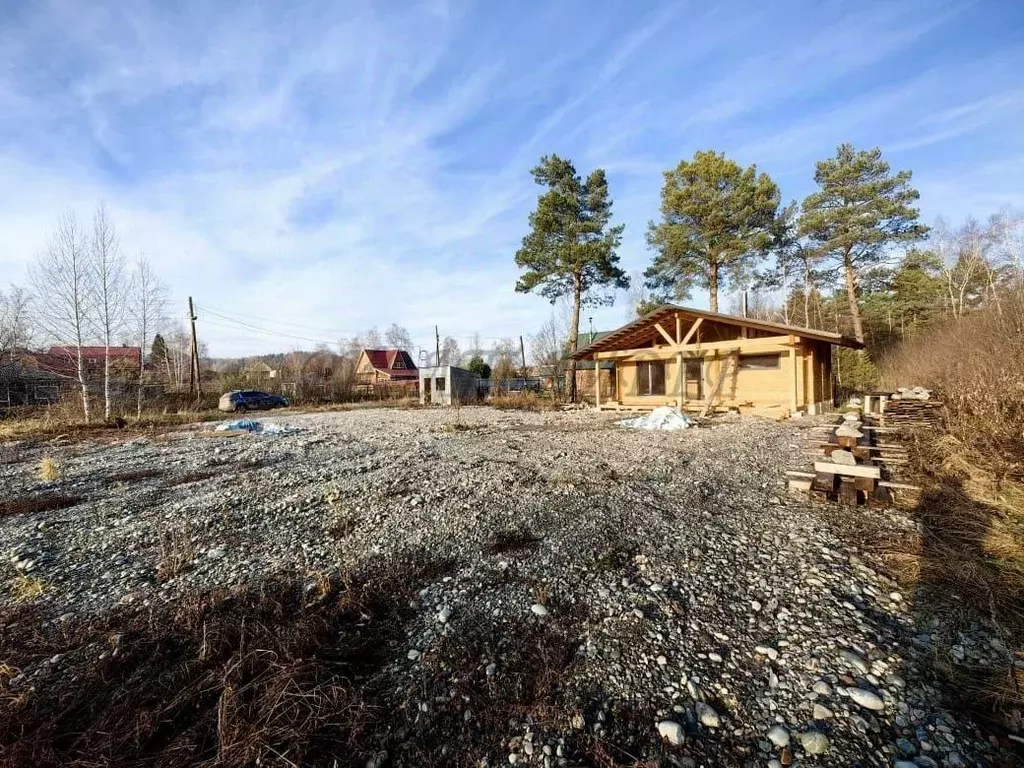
(511, 541)
(133, 476)
(28, 505)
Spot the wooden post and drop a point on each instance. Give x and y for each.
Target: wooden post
(194, 384)
(597, 382)
(792, 364)
(681, 375)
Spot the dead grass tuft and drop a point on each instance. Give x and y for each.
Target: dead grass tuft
(48, 470)
(26, 589)
(28, 505)
(176, 554)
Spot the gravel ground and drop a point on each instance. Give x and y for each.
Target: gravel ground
(714, 620)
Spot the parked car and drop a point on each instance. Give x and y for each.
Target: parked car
(249, 400)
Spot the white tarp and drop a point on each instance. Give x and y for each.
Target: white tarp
(663, 417)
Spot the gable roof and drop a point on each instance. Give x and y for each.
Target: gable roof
(384, 360)
(613, 340)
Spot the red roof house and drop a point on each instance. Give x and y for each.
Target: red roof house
(386, 366)
(63, 358)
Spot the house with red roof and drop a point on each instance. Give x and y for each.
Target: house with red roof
(386, 366)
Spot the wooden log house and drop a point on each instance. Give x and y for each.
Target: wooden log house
(701, 361)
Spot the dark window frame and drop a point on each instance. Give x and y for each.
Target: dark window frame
(648, 383)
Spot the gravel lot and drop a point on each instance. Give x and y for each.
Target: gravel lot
(712, 619)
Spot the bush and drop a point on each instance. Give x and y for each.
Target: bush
(975, 365)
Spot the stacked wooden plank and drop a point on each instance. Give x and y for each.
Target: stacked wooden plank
(849, 465)
(911, 413)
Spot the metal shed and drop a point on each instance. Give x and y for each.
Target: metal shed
(444, 384)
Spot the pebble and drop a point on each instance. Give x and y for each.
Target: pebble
(822, 688)
(778, 736)
(854, 660)
(822, 713)
(707, 715)
(814, 742)
(672, 732)
(866, 699)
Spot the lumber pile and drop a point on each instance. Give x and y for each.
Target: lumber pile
(848, 467)
(911, 413)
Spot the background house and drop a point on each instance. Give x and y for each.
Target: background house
(382, 367)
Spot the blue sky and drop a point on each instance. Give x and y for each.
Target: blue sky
(344, 165)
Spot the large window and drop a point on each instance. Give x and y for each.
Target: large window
(650, 378)
(760, 362)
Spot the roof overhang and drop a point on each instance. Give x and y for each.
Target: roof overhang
(629, 333)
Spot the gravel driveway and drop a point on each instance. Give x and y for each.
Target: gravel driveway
(713, 620)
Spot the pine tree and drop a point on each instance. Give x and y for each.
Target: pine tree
(571, 247)
(716, 222)
(859, 211)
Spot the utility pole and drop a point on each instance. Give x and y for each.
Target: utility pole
(194, 384)
(437, 341)
(522, 352)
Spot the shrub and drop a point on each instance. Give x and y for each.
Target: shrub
(528, 401)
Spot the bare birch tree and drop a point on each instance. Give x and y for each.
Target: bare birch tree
(61, 281)
(148, 309)
(15, 324)
(111, 290)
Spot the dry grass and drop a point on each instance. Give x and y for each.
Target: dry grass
(48, 470)
(176, 554)
(527, 401)
(285, 672)
(26, 589)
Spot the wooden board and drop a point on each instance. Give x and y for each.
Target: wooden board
(860, 470)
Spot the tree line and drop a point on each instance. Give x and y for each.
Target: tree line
(84, 291)
(850, 257)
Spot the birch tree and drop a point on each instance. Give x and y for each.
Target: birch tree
(15, 323)
(108, 277)
(147, 309)
(63, 295)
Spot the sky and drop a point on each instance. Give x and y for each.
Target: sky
(319, 168)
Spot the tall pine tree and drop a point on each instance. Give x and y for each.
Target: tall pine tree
(859, 211)
(571, 249)
(716, 222)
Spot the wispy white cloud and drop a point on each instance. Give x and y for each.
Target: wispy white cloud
(352, 165)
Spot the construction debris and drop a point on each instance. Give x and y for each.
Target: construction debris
(663, 418)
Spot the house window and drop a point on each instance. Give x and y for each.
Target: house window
(439, 384)
(760, 362)
(651, 378)
(399, 362)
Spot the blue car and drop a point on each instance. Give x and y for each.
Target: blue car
(242, 400)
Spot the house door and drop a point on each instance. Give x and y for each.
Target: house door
(695, 379)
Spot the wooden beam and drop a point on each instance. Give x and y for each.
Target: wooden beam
(681, 375)
(860, 470)
(760, 345)
(690, 333)
(664, 335)
(597, 383)
(679, 329)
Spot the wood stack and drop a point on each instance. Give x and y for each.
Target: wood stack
(850, 471)
(911, 413)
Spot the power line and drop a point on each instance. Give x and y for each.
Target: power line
(237, 324)
(219, 313)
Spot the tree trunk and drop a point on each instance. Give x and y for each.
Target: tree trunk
(851, 294)
(574, 330)
(807, 293)
(106, 377)
(713, 283)
(81, 381)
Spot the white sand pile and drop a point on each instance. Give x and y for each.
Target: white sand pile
(663, 417)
